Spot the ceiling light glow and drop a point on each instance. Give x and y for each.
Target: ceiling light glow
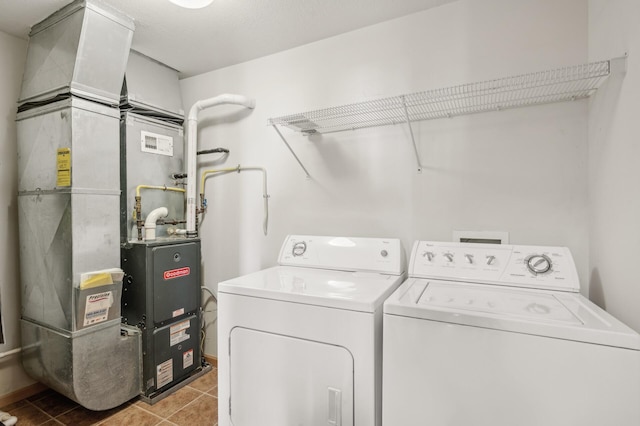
(192, 4)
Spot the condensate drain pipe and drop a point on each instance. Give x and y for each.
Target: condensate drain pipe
(150, 222)
(192, 147)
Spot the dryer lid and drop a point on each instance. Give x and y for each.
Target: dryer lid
(562, 315)
(357, 291)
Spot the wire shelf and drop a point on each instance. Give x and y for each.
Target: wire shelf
(562, 84)
(557, 85)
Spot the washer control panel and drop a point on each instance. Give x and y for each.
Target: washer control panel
(522, 266)
(384, 255)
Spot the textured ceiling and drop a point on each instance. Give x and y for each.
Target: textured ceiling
(227, 32)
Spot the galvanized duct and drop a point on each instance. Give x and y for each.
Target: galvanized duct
(68, 198)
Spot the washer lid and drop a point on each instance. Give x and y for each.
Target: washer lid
(561, 315)
(357, 291)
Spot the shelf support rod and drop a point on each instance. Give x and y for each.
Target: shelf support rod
(413, 140)
(291, 150)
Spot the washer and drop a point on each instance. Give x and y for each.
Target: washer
(498, 335)
(301, 343)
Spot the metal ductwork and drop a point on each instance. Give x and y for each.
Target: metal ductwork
(82, 50)
(151, 144)
(151, 89)
(69, 190)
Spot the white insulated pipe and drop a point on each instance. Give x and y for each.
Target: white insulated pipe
(150, 222)
(192, 148)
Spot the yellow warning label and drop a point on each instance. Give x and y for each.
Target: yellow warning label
(63, 161)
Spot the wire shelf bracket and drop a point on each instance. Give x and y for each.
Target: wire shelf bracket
(291, 150)
(557, 85)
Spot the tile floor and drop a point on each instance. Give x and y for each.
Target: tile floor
(196, 404)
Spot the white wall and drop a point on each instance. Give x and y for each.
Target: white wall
(614, 151)
(523, 171)
(13, 53)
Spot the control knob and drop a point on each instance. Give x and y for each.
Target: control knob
(538, 263)
(299, 248)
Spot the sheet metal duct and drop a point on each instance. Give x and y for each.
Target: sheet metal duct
(152, 89)
(66, 230)
(81, 49)
(150, 151)
(68, 201)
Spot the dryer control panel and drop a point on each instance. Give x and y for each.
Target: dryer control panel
(382, 255)
(540, 267)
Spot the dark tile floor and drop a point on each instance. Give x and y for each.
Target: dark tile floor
(196, 404)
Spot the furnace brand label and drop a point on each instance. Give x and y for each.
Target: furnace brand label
(176, 273)
(164, 373)
(97, 308)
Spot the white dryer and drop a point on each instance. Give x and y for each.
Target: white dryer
(498, 335)
(301, 343)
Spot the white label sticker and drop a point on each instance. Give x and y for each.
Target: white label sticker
(187, 359)
(156, 143)
(178, 337)
(178, 312)
(97, 308)
(164, 373)
(178, 333)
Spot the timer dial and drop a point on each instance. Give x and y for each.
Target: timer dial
(299, 248)
(538, 263)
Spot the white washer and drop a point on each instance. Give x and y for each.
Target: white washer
(301, 343)
(498, 335)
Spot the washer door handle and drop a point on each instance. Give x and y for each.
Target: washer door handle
(335, 407)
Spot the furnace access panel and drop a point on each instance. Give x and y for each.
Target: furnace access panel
(162, 281)
(161, 296)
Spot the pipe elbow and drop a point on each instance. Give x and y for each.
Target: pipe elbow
(150, 222)
(193, 112)
(228, 98)
(220, 100)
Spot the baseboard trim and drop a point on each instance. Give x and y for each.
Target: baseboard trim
(210, 359)
(22, 393)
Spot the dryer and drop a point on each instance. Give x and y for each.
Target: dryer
(498, 335)
(301, 343)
